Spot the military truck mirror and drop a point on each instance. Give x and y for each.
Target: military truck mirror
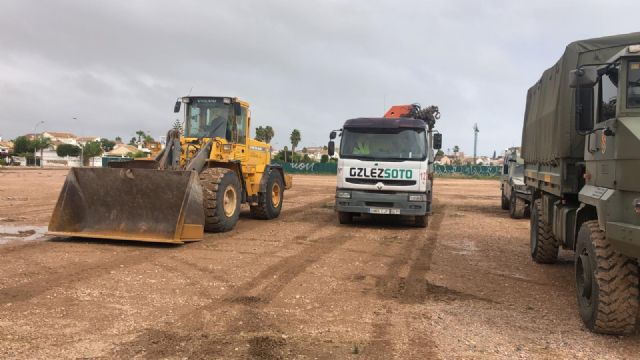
(237, 109)
(332, 135)
(583, 77)
(584, 110)
(176, 107)
(437, 141)
(332, 147)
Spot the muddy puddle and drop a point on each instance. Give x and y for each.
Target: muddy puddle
(21, 232)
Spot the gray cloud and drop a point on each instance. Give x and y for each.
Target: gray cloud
(118, 65)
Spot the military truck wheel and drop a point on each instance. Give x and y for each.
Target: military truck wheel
(544, 248)
(504, 202)
(606, 283)
(517, 207)
(270, 202)
(421, 221)
(221, 199)
(345, 217)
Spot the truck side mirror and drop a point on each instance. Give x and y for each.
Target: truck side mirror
(332, 135)
(331, 148)
(437, 141)
(584, 109)
(176, 107)
(583, 77)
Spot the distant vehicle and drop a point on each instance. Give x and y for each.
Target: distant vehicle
(515, 194)
(386, 164)
(580, 145)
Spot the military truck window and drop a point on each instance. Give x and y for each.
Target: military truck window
(384, 144)
(633, 85)
(608, 94)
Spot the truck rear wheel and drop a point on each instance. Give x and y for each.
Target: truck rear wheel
(544, 247)
(517, 206)
(504, 202)
(606, 283)
(421, 221)
(221, 199)
(270, 202)
(345, 217)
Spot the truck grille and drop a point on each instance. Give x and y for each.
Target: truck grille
(385, 182)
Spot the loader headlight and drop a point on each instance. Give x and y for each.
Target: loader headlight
(343, 194)
(417, 197)
(227, 147)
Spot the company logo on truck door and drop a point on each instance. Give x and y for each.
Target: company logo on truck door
(379, 173)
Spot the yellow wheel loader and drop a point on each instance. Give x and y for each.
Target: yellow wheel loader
(195, 184)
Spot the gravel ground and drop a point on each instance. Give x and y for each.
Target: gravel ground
(301, 286)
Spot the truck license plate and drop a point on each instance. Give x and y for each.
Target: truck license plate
(384, 211)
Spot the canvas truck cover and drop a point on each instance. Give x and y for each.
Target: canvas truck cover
(549, 131)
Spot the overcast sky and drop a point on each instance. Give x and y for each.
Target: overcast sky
(118, 66)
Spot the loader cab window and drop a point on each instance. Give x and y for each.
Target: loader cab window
(633, 85)
(608, 94)
(207, 118)
(240, 127)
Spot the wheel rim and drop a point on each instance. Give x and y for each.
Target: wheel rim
(276, 194)
(584, 279)
(230, 199)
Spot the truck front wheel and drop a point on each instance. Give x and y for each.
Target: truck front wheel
(606, 283)
(504, 202)
(421, 221)
(517, 206)
(544, 248)
(345, 217)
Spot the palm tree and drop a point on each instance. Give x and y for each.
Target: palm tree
(268, 134)
(295, 140)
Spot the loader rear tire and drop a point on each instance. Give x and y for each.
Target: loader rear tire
(544, 247)
(270, 202)
(606, 283)
(221, 199)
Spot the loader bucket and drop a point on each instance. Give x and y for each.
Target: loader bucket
(130, 204)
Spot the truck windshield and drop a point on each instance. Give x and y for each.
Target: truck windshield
(633, 86)
(207, 118)
(384, 144)
(518, 170)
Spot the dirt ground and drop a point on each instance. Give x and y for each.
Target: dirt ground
(301, 286)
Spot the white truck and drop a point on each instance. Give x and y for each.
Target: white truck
(385, 165)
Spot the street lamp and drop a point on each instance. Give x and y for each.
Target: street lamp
(35, 148)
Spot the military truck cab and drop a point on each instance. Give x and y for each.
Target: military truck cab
(385, 167)
(581, 142)
(516, 196)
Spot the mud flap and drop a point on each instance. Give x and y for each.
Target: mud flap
(130, 204)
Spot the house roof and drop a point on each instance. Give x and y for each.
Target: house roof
(60, 134)
(87, 138)
(122, 149)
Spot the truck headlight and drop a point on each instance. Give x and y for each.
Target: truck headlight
(343, 195)
(636, 205)
(417, 197)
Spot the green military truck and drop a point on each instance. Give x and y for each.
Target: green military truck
(581, 148)
(515, 193)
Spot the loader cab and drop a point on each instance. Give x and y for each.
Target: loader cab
(216, 117)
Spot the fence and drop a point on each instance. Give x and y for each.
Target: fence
(467, 170)
(331, 169)
(107, 159)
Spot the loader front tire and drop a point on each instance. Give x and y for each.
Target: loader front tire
(270, 202)
(221, 199)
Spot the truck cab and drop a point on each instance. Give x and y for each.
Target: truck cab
(384, 167)
(515, 194)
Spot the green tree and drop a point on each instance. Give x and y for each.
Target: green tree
(22, 146)
(295, 138)
(118, 139)
(440, 153)
(68, 150)
(107, 145)
(133, 141)
(456, 149)
(137, 154)
(260, 133)
(324, 158)
(141, 135)
(89, 150)
(264, 134)
(177, 125)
